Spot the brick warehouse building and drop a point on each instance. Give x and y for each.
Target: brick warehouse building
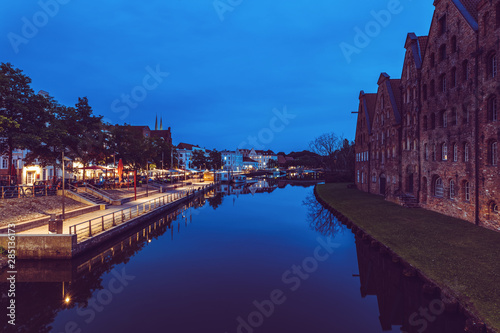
(430, 138)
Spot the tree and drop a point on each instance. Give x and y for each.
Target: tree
(326, 145)
(272, 164)
(53, 136)
(86, 131)
(21, 111)
(199, 159)
(338, 155)
(161, 152)
(131, 146)
(7, 123)
(215, 159)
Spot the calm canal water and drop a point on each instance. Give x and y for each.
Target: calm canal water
(265, 259)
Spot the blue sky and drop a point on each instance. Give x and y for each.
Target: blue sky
(221, 73)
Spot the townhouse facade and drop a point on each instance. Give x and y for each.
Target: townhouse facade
(437, 144)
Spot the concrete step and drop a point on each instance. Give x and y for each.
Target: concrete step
(93, 199)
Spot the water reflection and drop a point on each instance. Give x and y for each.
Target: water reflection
(321, 219)
(44, 288)
(403, 301)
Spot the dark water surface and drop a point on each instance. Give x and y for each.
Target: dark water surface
(264, 260)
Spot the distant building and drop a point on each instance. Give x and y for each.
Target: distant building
(263, 157)
(232, 160)
(185, 153)
(248, 163)
(146, 132)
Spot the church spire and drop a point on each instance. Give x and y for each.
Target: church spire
(161, 125)
(156, 123)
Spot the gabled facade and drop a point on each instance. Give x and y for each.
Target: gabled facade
(449, 123)
(366, 111)
(448, 134)
(385, 139)
(410, 108)
(488, 117)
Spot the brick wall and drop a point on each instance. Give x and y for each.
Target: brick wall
(446, 139)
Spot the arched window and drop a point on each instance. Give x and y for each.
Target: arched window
(358, 176)
(425, 123)
(454, 44)
(453, 77)
(493, 207)
(466, 115)
(444, 152)
(454, 117)
(424, 92)
(442, 82)
(466, 152)
(452, 189)
(433, 121)
(438, 188)
(465, 70)
(492, 108)
(466, 191)
(434, 152)
(426, 152)
(491, 65)
(455, 152)
(493, 153)
(444, 119)
(433, 60)
(442, 25)
(442, 52)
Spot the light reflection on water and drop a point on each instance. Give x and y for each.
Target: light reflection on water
(240, 259)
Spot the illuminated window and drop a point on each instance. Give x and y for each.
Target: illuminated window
(444, 152)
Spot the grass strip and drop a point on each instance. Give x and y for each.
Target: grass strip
(454, 253)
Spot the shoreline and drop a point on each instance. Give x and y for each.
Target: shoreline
(453, 299)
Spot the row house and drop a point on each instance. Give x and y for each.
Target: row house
(446, 156)
(232, 160)
(185, 153)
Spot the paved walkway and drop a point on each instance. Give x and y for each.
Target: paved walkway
(111, 209)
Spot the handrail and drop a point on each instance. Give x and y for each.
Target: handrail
(93, 226)
(98, 192)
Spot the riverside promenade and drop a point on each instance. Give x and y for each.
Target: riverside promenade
(88, 231)
(67, 223)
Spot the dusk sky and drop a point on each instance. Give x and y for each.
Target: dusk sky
(233, 65)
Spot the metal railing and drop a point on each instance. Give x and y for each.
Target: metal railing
(100, 224)
(27, 191)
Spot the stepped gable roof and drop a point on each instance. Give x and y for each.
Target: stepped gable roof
(368, 101)
(468, 9)
(418, 50)
(392, 86)
(423, 41)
